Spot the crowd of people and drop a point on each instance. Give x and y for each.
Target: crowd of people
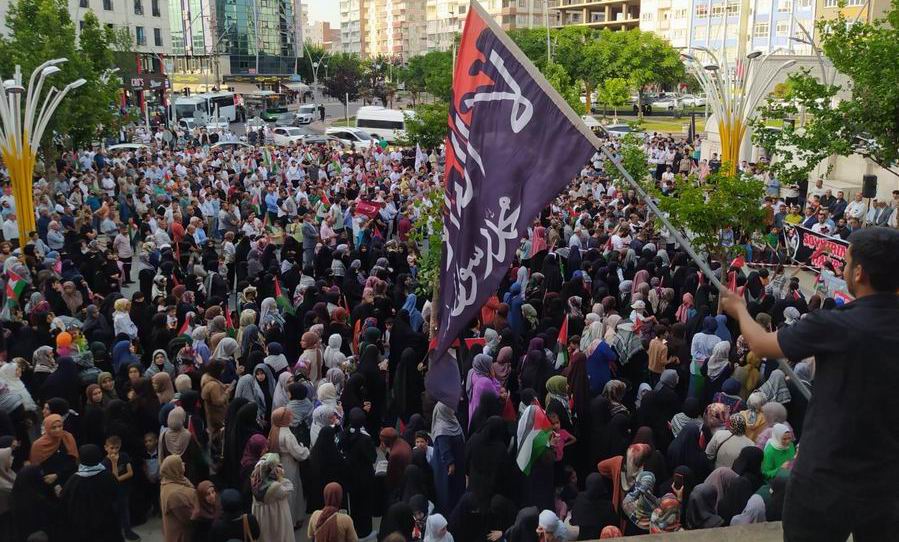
(235, 340)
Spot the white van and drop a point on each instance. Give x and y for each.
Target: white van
(382, 123)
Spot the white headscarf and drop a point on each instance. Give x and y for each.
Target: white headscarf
(777, 435)
(435, 529)
(333, 356)
(15, 385)
(719, 359)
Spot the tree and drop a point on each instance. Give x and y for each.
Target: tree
(614, 93)
(863, 118)
(439, 75)
(41, 30)
(427, 234)
(311, 53)
(559, 79)
(344, 76)
(428, 126)
(633, 158)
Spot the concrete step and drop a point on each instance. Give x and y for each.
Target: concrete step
(759, 532)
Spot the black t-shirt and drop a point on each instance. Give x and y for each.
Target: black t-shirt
(850, 437)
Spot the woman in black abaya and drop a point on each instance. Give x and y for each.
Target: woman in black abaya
(360, 454)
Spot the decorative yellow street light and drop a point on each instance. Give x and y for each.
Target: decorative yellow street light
(21, 132)
(734, 92)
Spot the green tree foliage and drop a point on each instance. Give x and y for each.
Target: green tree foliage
(634, 159)
(560, 80)
(701, 210)
(428, 127)
(614, 93)
(438, 75)
(427, 233)
(863, 118)
(344, 76)
(41, 30)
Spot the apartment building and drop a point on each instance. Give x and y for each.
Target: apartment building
(611, 14)
(320, 33)
(393, 28)
(446, 18)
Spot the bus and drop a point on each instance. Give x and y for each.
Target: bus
(265, 104)
(203, 106)
(388, 124)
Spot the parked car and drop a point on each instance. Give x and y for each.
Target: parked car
(691, 100)
(307, 113)
(230, 145)
(126, 147)
(286, 119)
(351, 136)
(272, 113)
(285, 135)
(255, 123)
(217, 123)
(319, 139)
(669, 102)
(620, 130)
(187, 123)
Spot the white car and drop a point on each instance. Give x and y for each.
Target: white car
(666, 102)
(690, 100)
(620, 130)
(126, 147)
(351, 136)
(255, 123)
(286, 135)
(306, 113)
(187, 123)
(231, 145)
(217, 124)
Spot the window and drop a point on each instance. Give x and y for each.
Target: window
(855, 2)
(107, 5)
(157, 37)
(646, 16)
(760, 30)
(679, 33)
(804, 4)
(140, 36)
(138, 7)
(783, 29)
(83, 4)
(155, 8)
(680, 14)
(717, 10)
(700, 32)
(830, 3)
(784, 6)
(80, 26)
(702, 11)
(733, 8)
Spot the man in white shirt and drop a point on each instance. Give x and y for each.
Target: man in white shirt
(11, 230)
(856, 208)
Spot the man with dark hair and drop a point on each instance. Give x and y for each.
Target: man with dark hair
(846, 479)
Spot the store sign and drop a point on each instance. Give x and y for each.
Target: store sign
(137, 82)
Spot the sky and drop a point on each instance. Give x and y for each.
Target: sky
(324, 10)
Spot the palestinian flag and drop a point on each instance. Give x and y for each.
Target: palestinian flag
(229, 323)
(15, 285)
(534, 431)
(186, 327)
(562, 356)
(282, 300)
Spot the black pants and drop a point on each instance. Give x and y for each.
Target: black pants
(814, 511)
(126, 270)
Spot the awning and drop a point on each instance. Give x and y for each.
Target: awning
(296, 87)
(242, 88)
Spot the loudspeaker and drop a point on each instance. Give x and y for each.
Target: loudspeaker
(869, 186)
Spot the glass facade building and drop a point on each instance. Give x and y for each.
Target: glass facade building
(258, 35)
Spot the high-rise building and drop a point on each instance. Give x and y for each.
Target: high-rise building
(769, 25)
(393, 28)
(670, 19)
(611, 14)
(861, 10)
(446, 18)
(320, 33)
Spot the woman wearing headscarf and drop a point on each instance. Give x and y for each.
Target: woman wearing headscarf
(639, 503)
(748, 465)
(436, 529)
(480, 381)
(775, 413)
(326, 464)
(622, 471)
(55, 451)
(702, 508)
(282, 441)
(778, 450)
(162, 385)
(485, 458)
(271, 499)
(329, 524)
(448, 459)
(398, 519)
(44, 364)
(701, 348)
(775, 388)
(89, 499)
(207, 512)
(718, 369)
(359, 450)
(178, 500)
(552, 529)
(753, 512)
(255, 448)
(334, 356)
(240, 425)
(215, 401)
(251, 389)
(408, 385)
(592, 509)
(725, 445)
(226, 352)
(311, 360)
(176, 439)
(754, 415)
(375, 387)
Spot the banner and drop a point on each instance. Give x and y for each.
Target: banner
(367, 208)
(513, 145)
(816, 249)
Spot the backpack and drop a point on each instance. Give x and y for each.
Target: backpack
(302, 432)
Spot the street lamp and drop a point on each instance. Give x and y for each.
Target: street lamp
(733, 94)
(20, 135)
